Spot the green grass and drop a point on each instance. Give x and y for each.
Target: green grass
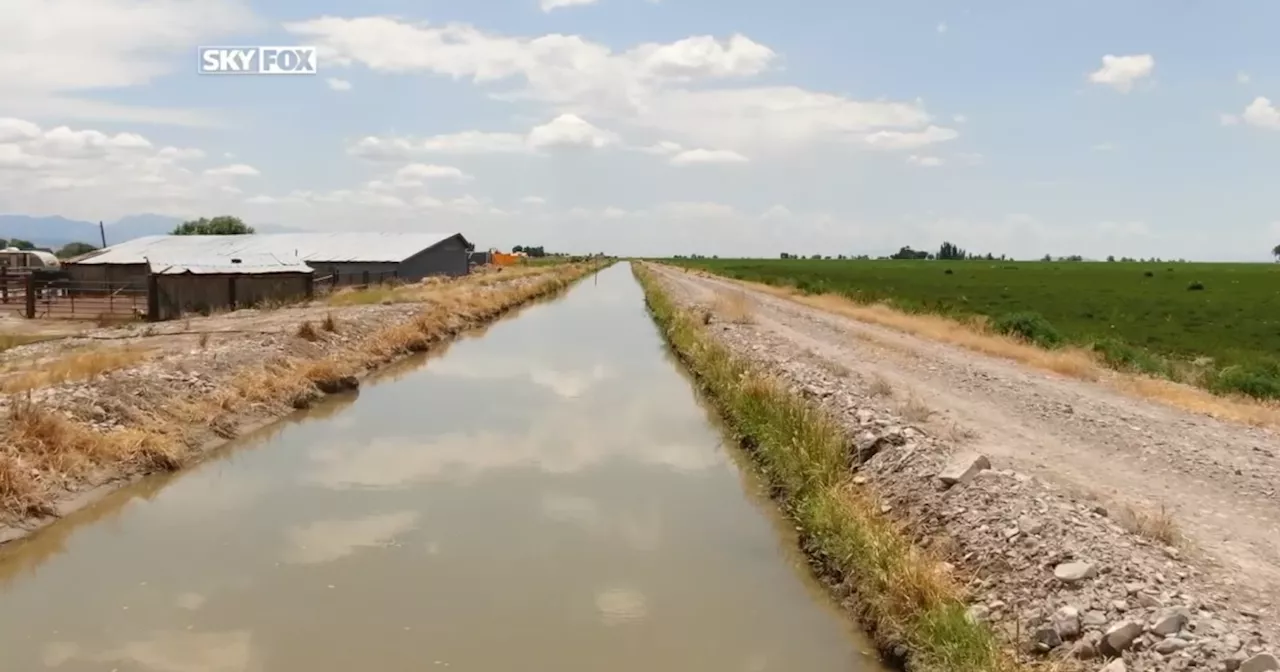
(1147, 317)
(902, 595)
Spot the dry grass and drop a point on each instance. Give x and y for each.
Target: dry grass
(914, 409)
(330, 323)
(958, 433)
(84, 365)
(733, 306)
(973, 334)
(307, 332)
(43, 452)
(1159, 526)
(204, 340)
(880, 386)
(9, 341)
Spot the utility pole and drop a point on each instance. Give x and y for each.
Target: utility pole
(102, 232)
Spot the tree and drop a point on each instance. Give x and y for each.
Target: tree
(517, 249)
(1275, 252)
(74, 250)
(951, 251)
(18, 243)
(1111, 257)
(223, 225)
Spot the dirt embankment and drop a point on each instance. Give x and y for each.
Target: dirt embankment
(1091, 528)
(78, 415)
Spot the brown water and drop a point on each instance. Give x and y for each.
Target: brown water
(548, 496)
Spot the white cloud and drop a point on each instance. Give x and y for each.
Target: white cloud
(51, 48)
(655, 87)
(533, 200)
(910, 139)
(476, 142)
(1120, 72)
(694, 156)
(663, 148)
(338, 84)
(959, 118)
(924, 161)
(1243, 78)
(549, 5)
(1261, 113)
(234, 170)
(414, 173)
(941, 28)
(1228, 119)
(570, 130)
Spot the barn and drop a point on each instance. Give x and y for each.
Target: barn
(336, 258)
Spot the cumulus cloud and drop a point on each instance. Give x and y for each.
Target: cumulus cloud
(570, 130)
(657, 87)
(1261, 113)
(51, 49)
(338, 84)
(549, 5)
(1121, 72)
(693, 156)
(415, 174)
(924, 161)
(910, 139)
(566, 131)
(234, 170)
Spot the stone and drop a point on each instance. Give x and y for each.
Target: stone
(1074, 572)
(1263, 662)
(1093, 618)
(963, 467)
(977, 613)
(1067, 622)
(1028, 525)
(1119, 637)
(1170, 622)
(1084, 650)
(1116, 665)
(1149, 601)
(1046, 639)
(1170, 645)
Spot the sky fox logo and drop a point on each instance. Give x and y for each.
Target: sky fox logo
(257, 60)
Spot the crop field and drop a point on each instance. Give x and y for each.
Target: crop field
(1157, 318)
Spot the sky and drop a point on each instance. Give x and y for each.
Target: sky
(657, 127)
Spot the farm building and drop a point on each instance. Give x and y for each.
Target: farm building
(337, 258)
(189, 288)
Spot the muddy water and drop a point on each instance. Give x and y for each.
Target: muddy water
(549, 496)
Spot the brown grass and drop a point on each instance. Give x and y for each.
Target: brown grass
(84, 365)
(43, 452)
(204, 340)
(914, 409)
(307, 332)
(973, 334)
(1159, 526)
(9, 341)
(880, 386)
(330, 323)
(733, 306)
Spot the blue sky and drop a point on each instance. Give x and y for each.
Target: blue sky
(676, 126)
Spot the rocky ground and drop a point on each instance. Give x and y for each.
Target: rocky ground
(149, 369)
(1063, 566)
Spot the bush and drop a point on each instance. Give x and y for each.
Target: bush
(1260, 379)
(948, 271)
(1195, 286)
(1029, 326)
(1148, 274)
(1120, 355)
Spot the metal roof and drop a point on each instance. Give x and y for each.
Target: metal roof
(256, 265)
(287, 247)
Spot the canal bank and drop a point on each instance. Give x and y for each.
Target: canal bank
(547, 496)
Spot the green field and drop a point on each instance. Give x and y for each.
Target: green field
(1142, 316)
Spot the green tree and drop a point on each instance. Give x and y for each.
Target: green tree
(223, 225)
(1275, 252)
(18, 243)
(74, 250)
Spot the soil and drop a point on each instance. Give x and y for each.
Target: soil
(1071, 466)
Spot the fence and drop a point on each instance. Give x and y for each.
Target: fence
(58, 298)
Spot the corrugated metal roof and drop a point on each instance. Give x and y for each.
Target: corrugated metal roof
(258, 265)
(288, 247)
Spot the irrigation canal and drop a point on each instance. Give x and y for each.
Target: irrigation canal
(547, 495)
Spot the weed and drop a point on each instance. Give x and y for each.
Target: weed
(880, 386)
(83, 365)
(1195, 286)
(330, 324)
(204, 340)
(914, 409)
(1148, 274)
(307, 332)
(734, 306)
(1159, 526)
(1029, 326)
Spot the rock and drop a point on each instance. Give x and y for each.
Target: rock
(1263, 662)
(977, 613)
(1028, 525)
(1046, 639)
(1116, 665)
(1170, 645)
(1084, 650)
(963, 467)
(1149, 601)
(1074, 572)
(1067, 622)
(1170, 622)
(1119, 637)
(1093, 618)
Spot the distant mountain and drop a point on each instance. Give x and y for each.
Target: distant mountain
(56, 231)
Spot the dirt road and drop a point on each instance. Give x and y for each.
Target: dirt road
(1218, 480)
